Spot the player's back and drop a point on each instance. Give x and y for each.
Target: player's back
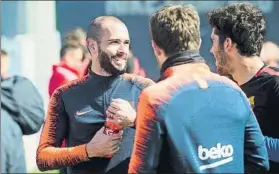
(204, 119)
(205, 128)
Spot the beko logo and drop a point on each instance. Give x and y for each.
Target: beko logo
(224, 154)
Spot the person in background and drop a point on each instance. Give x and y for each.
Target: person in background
(70, 67)
(270, 54)
(238, 33)
(22, 113)
(193, 120)
(78, 36)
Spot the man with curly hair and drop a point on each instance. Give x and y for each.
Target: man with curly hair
(238, 34)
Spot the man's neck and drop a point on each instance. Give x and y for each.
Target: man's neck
(99, 71)
(246, 69)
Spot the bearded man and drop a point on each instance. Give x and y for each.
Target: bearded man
(78, 110)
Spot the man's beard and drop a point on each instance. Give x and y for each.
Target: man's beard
(223, 67)
(106, 63)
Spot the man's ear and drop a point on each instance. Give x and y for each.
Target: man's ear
(228, 44)
(92, 45)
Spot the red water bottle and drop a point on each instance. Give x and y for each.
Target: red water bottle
(111, 129)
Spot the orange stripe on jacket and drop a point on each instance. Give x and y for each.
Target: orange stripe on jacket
(50, 155)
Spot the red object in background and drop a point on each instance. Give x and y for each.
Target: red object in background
(62, 74)
(138, 69)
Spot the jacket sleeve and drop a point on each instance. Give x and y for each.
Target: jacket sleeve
(148, 139)
(29, 104)
(272, 145)
(255, 153)
(50, 155)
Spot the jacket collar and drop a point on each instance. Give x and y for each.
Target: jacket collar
(183, 57)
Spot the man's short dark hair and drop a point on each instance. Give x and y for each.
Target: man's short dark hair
(95, 27)
(94, 31)
(176, 28)
(4, 53)
(243, 23)
(67, 47)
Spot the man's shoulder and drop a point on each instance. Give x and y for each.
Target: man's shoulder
(210, 80)
(223, 81)
(72, 85)
(18, 83)
(269, 80)
(21, 79)
(269, 71)
(276, 69)
(158, 93)
(274, 85)
(166, 89)
(274, 73)
(139, 81)
(274, 77)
